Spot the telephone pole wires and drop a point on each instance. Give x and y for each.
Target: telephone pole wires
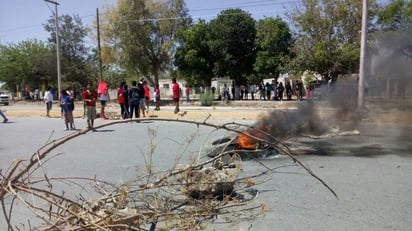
(59, 84)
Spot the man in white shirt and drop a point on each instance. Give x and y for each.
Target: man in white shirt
(48, 99)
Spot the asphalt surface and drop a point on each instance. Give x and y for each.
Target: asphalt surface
(370, 172)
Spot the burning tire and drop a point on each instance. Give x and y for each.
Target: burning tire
(232, 147)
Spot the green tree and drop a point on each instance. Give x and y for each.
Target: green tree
(140, 35)
(193, 57)
(232, 43)
(397, 14)
(76, 64)
(28, 64)
(274, 41)
(328, 36)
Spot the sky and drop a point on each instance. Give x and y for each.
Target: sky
(21, 20)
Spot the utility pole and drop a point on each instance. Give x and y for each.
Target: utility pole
(364, 35)
(98, 44)
(59, 84)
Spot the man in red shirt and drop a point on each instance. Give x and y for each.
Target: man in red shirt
(89, 97)
(146, 95)
(176, 94)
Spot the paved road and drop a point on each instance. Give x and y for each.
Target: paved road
(371, 172)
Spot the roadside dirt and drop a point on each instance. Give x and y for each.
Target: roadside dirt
(246, 110)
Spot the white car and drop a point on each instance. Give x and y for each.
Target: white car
(4, 98)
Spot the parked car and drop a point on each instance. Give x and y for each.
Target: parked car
(4, 98)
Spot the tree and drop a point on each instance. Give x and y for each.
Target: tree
(232, 43)
(193, 58)
(28, 64)
(396, 15)
(328, 36)
(74, 58)
(139, 36)
(273, 40)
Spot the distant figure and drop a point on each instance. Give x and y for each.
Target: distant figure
(36, 94)
(288, 89)
(89, 98)
(187, 91)
(120, 98)
(4, 117)
(125, 104)
(135, 96)
(242, 91)
(67, 107)
(262, 91)
(176, 94)
(233, 90)
(252, 91)
(48, 99)
(156, 97)
(146, 95)
(142, 95)
(269, 90)
(103, 102)
(299, 89)
(309, 95)
(280, 90)
(225, 93)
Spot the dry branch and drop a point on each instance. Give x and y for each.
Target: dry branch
(183, 197)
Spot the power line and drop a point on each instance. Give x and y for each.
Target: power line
(247, 5)
(251, 4)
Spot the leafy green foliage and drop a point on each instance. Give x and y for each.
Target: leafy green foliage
(232, 43)
(327, 36)
(206, 99)
(396, 15)
(273, 40)
(76, 64)
(142, 35)
(27, 64)
(193, 57)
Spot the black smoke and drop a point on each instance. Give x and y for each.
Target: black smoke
(387, 85)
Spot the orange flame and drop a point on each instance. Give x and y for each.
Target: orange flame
(246, 142)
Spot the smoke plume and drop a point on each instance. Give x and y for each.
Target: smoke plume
(386, 86)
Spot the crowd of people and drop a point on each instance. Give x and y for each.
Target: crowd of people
(267, 91)
(134, 101)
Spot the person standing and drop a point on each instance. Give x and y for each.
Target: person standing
(268, 89)
(120, 99)
(187, 92)
(262, 91)
(299, 89)
(36, 94)
(280, 90)
(252, 91)
(225, 93)
(134, 99)
(4, 117)
(242, 91)
(67, 107)
(176, 94)
(157, 97)
(48, 99)
(103, 102)
(89, 98)
(146, 95)
(288, 88)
